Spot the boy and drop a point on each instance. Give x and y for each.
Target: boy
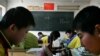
(87, 24)
(13, 27)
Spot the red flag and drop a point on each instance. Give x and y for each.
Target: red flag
(48, 6)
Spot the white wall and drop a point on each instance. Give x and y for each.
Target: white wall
(3, 6)
(14, 3)
(25, 3)
(95, 2)
(3, 3)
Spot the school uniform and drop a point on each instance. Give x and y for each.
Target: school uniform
(4, 45)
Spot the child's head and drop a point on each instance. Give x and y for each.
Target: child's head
(87, 23)
(16, 23)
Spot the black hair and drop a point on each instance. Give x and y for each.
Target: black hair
(86, 19)
(19, 16)
(68, 31)
(53, 36)
(72, 32)
(40, 33)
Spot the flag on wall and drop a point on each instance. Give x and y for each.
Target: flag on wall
(48, 6)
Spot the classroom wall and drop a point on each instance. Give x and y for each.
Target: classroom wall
(25, 3)
(3, 3)
(13, 3)
(3, 6)
(95, 2)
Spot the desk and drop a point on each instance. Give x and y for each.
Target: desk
(19, 52)
(35, 51)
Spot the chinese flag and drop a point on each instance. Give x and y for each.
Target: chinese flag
(48, 6)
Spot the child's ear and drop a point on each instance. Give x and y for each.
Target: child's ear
(12, 28)
(97, 28)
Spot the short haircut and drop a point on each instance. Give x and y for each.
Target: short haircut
(86, 19)
(40, 33)
(68, 31)
(54, 35)
(19, 16)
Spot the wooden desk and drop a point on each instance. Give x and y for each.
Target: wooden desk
(19, 52)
